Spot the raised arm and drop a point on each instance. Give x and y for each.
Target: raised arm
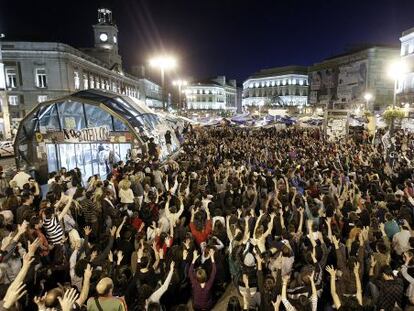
(85, 287)
(270, 225)
(65, 209)
(334, 294)
(314, 296)
(156, 296)
(358, 283)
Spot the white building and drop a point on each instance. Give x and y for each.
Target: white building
(282, 86)
(34, 72)
(214, 94)
(405, 87)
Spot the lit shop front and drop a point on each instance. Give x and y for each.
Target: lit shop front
(89, 130)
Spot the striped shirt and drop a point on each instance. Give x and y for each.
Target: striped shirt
(53, 229)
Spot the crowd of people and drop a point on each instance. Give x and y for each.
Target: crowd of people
(256, 219)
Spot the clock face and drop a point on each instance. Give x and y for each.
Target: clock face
(103, 37)
(115, 39)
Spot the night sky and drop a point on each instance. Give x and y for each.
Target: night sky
(211, 37)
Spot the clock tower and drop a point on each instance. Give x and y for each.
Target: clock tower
(106, 40)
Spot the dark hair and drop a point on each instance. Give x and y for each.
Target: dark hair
(25, 197)
(234, 304)
(34, 220)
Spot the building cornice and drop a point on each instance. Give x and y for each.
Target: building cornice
(77, 58)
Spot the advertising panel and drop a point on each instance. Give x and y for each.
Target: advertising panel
(352, 81)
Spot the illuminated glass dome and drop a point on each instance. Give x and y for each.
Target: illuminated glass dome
(87, 129)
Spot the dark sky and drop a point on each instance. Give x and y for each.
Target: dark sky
(231, 37)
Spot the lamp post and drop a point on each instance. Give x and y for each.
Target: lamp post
(180, 83)
(163, 63)
(395, 72)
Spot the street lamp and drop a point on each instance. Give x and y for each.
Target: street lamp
(396, 71)
(179, 83)
(163, 63)
(368, 96)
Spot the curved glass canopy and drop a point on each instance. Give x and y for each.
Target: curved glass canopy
(64, 120)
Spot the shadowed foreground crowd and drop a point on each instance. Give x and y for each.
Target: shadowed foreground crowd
(281, 219)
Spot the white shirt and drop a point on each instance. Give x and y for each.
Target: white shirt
(401, 241)
(126, 196)
(21, 178)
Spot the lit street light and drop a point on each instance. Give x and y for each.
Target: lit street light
(180, 83)
(395, 71)
(163, 63)
(368, 96)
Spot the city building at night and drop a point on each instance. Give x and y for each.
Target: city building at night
(405, 85)
(281, 86)
(85, 130)
(34, 72)
(343, 80)
(212, 94)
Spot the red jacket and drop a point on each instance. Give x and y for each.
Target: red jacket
(201, 236)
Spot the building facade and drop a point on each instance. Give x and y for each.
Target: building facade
(343, 80)
(405, 86)
(281, 86)
(213, 94)
(35, 72)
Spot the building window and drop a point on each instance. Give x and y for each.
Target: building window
(85, 81)
(41, 77)
(98, 85)
(13, 100)
(11, 79)
(92, 82)
(76, 80)
(41, 98)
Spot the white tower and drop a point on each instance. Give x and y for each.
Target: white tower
(106, 39)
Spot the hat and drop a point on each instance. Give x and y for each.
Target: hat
(103, 284)
(249, 260)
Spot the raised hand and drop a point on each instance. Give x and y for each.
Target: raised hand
(195, 256)
(119, 256)
(27, 259)
(87, 230)
(110, 256)
(88, 272)
(69, 298)
(15, 291)
(113, 231)
(40, 302)
(32, 247)
(331, 270)
(335, 242)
